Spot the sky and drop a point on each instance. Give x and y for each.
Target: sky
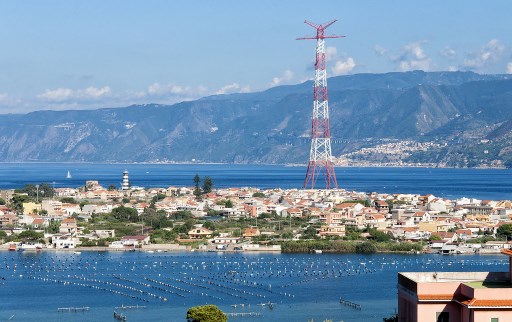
(88, 54)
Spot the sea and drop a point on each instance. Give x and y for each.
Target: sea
(452, 183)
(161, 286)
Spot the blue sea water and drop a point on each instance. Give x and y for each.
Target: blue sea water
(449, 183)
(300, 286)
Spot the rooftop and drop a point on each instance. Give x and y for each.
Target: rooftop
(473, 279)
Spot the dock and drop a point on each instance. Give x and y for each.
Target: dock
(73, 309)
(244, 314)
(130, 307)
(350, 304)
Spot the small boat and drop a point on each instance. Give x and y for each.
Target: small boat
(12, 247)
(318, 251)
(69, 175)
(76, 252)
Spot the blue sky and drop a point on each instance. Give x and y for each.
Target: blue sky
(112, 53)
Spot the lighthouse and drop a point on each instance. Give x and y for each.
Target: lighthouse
(126, 183)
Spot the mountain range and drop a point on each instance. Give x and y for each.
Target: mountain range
(456, 119)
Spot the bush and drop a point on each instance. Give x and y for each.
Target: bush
(206, 313)
(366, 248)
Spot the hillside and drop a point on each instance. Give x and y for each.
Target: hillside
(441, 119)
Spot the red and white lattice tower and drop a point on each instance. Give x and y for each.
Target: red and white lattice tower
(320, 155)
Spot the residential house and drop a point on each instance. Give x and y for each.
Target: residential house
(200, 232)
(333, 230)
(68, 226)
(251, 232)
(135, 241)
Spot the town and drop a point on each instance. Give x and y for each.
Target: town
(202, 217)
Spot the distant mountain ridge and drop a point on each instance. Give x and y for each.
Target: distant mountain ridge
(463, 118)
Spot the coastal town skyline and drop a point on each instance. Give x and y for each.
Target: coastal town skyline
(92, 55)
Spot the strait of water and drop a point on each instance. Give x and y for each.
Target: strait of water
(448, 183)
(300, 286)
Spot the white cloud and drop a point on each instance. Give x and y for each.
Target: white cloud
(67, 94)
(158, 89)
(379, 51)
(509, 68)
(449, 53)
(232, 88)
(94, 93)
(343, 67)
(452, 68)
(3, 97)
(489, 53)
(413, 57)
(330, 53)
(287, 76)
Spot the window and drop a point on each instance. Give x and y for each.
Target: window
(442, 317)
(495, 320)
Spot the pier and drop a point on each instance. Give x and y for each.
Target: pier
(350, 304)
(244, 314)
(73, 309)
(130, 307)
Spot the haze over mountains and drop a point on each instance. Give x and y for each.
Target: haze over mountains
(457, 119)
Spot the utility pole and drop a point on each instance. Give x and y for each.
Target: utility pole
(320, 155)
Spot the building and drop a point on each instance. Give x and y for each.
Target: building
(126, 182)
(135, 241)
(200, 232)
(456, 296)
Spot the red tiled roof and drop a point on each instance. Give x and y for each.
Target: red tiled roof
(494, 303)
(435, 297)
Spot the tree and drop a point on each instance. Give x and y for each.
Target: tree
(112, 188)
(207, 184)
(125, 213)
(504, 231)
(366, 248)
(2, 201)
(30, 235)
(68, 200)
(379, 236)
(206, 313)
(17, 202)
(258, 195)
(197, 189)
(229, 204)
(309, 233)
(53, 226)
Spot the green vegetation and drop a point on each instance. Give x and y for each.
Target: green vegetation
(44, 190)
(197, 188)
(366, 248)
(206, 313)
(68, 200)
(30, 235)
(505, 231)
(126, 214)
(342, 246)
(207, 184)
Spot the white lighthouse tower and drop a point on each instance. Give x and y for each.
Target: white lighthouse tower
(126, 183)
